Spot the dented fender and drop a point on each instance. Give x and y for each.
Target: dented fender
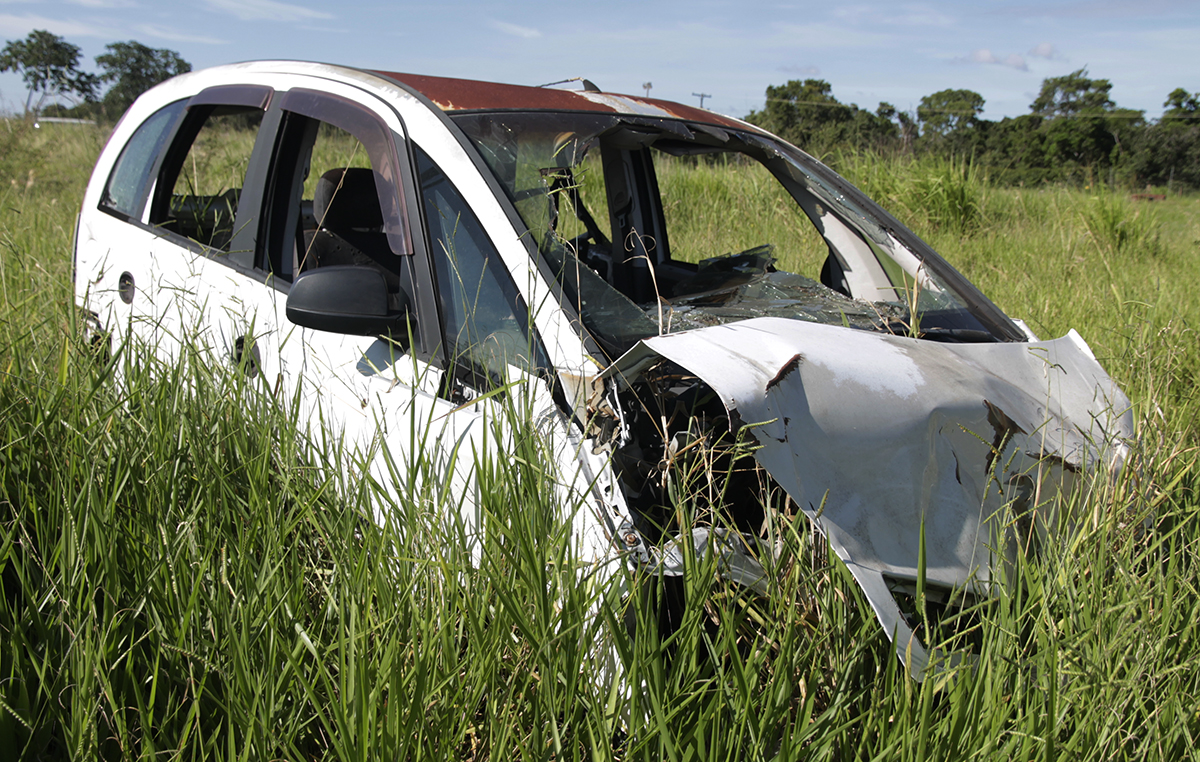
(879, 437)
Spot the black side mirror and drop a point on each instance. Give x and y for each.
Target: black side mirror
(347, 299)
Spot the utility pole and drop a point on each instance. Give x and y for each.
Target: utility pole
(647, 85)
(702, 96)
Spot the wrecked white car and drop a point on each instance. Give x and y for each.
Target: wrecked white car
(396, 247)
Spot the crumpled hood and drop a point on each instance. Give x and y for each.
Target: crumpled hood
(873, 435)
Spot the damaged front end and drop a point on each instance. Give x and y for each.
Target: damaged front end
(864, 379)
(877, 438)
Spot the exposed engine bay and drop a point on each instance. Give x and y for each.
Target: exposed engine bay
(681, 445)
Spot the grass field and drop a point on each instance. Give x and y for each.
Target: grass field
(182, 578)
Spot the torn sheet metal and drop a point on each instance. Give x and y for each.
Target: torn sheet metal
(889, 432)
(735, 560)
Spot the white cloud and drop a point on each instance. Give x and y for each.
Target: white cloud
(920, 15)
(524, 32)
(916, 15)
(985, 56)
(1044, 50)
(170, 34)
(1016, 61)
(22, 25)
(104, 3)
(267, 10)
(1093, 9)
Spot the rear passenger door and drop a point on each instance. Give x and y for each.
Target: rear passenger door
(176, 247)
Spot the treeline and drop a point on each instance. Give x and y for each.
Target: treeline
(50, 68)
(1074, 133)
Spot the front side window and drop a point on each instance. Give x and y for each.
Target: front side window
(334, 196)
(550, 166)
(341, 218)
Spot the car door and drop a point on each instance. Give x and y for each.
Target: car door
(498, 368)
(171, 252)
(340, 192)
(424, 405)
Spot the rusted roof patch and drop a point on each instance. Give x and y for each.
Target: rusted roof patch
(451, 94)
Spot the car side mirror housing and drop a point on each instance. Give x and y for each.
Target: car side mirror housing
(347, 299)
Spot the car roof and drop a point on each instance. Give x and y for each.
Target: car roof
(451, 95)
(460, 95)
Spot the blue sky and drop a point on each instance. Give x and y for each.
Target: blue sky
(868, 52)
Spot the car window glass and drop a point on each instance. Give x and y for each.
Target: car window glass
(333, 147)
(486, 326)
(578, 202)
(129, 184)
(206, 187)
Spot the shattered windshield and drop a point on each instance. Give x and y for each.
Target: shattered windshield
(653, 225)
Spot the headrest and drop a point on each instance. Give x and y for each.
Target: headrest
(355, 205)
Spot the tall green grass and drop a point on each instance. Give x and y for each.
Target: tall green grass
(754, 209)
(932, 193)
(186, 572)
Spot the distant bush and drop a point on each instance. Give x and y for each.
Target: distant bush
(943, 194)
(1119, 228)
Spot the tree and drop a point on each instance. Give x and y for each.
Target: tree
(1073, 95)
(799, 111)
(1014, 149)
(908, 130)
(1084, 129)
(1183, 108)
(806, 114)
(867, 131)
(50, 67)
(1167, 153)
(134, 68)
(948, 111)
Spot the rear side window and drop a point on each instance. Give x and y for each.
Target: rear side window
(205, 178)
(129, 184)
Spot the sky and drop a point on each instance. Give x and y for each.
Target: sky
(731, 51)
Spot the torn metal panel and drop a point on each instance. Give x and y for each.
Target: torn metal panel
(736, 561)
(889, 433)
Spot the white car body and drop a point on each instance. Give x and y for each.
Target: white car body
(873, 435)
